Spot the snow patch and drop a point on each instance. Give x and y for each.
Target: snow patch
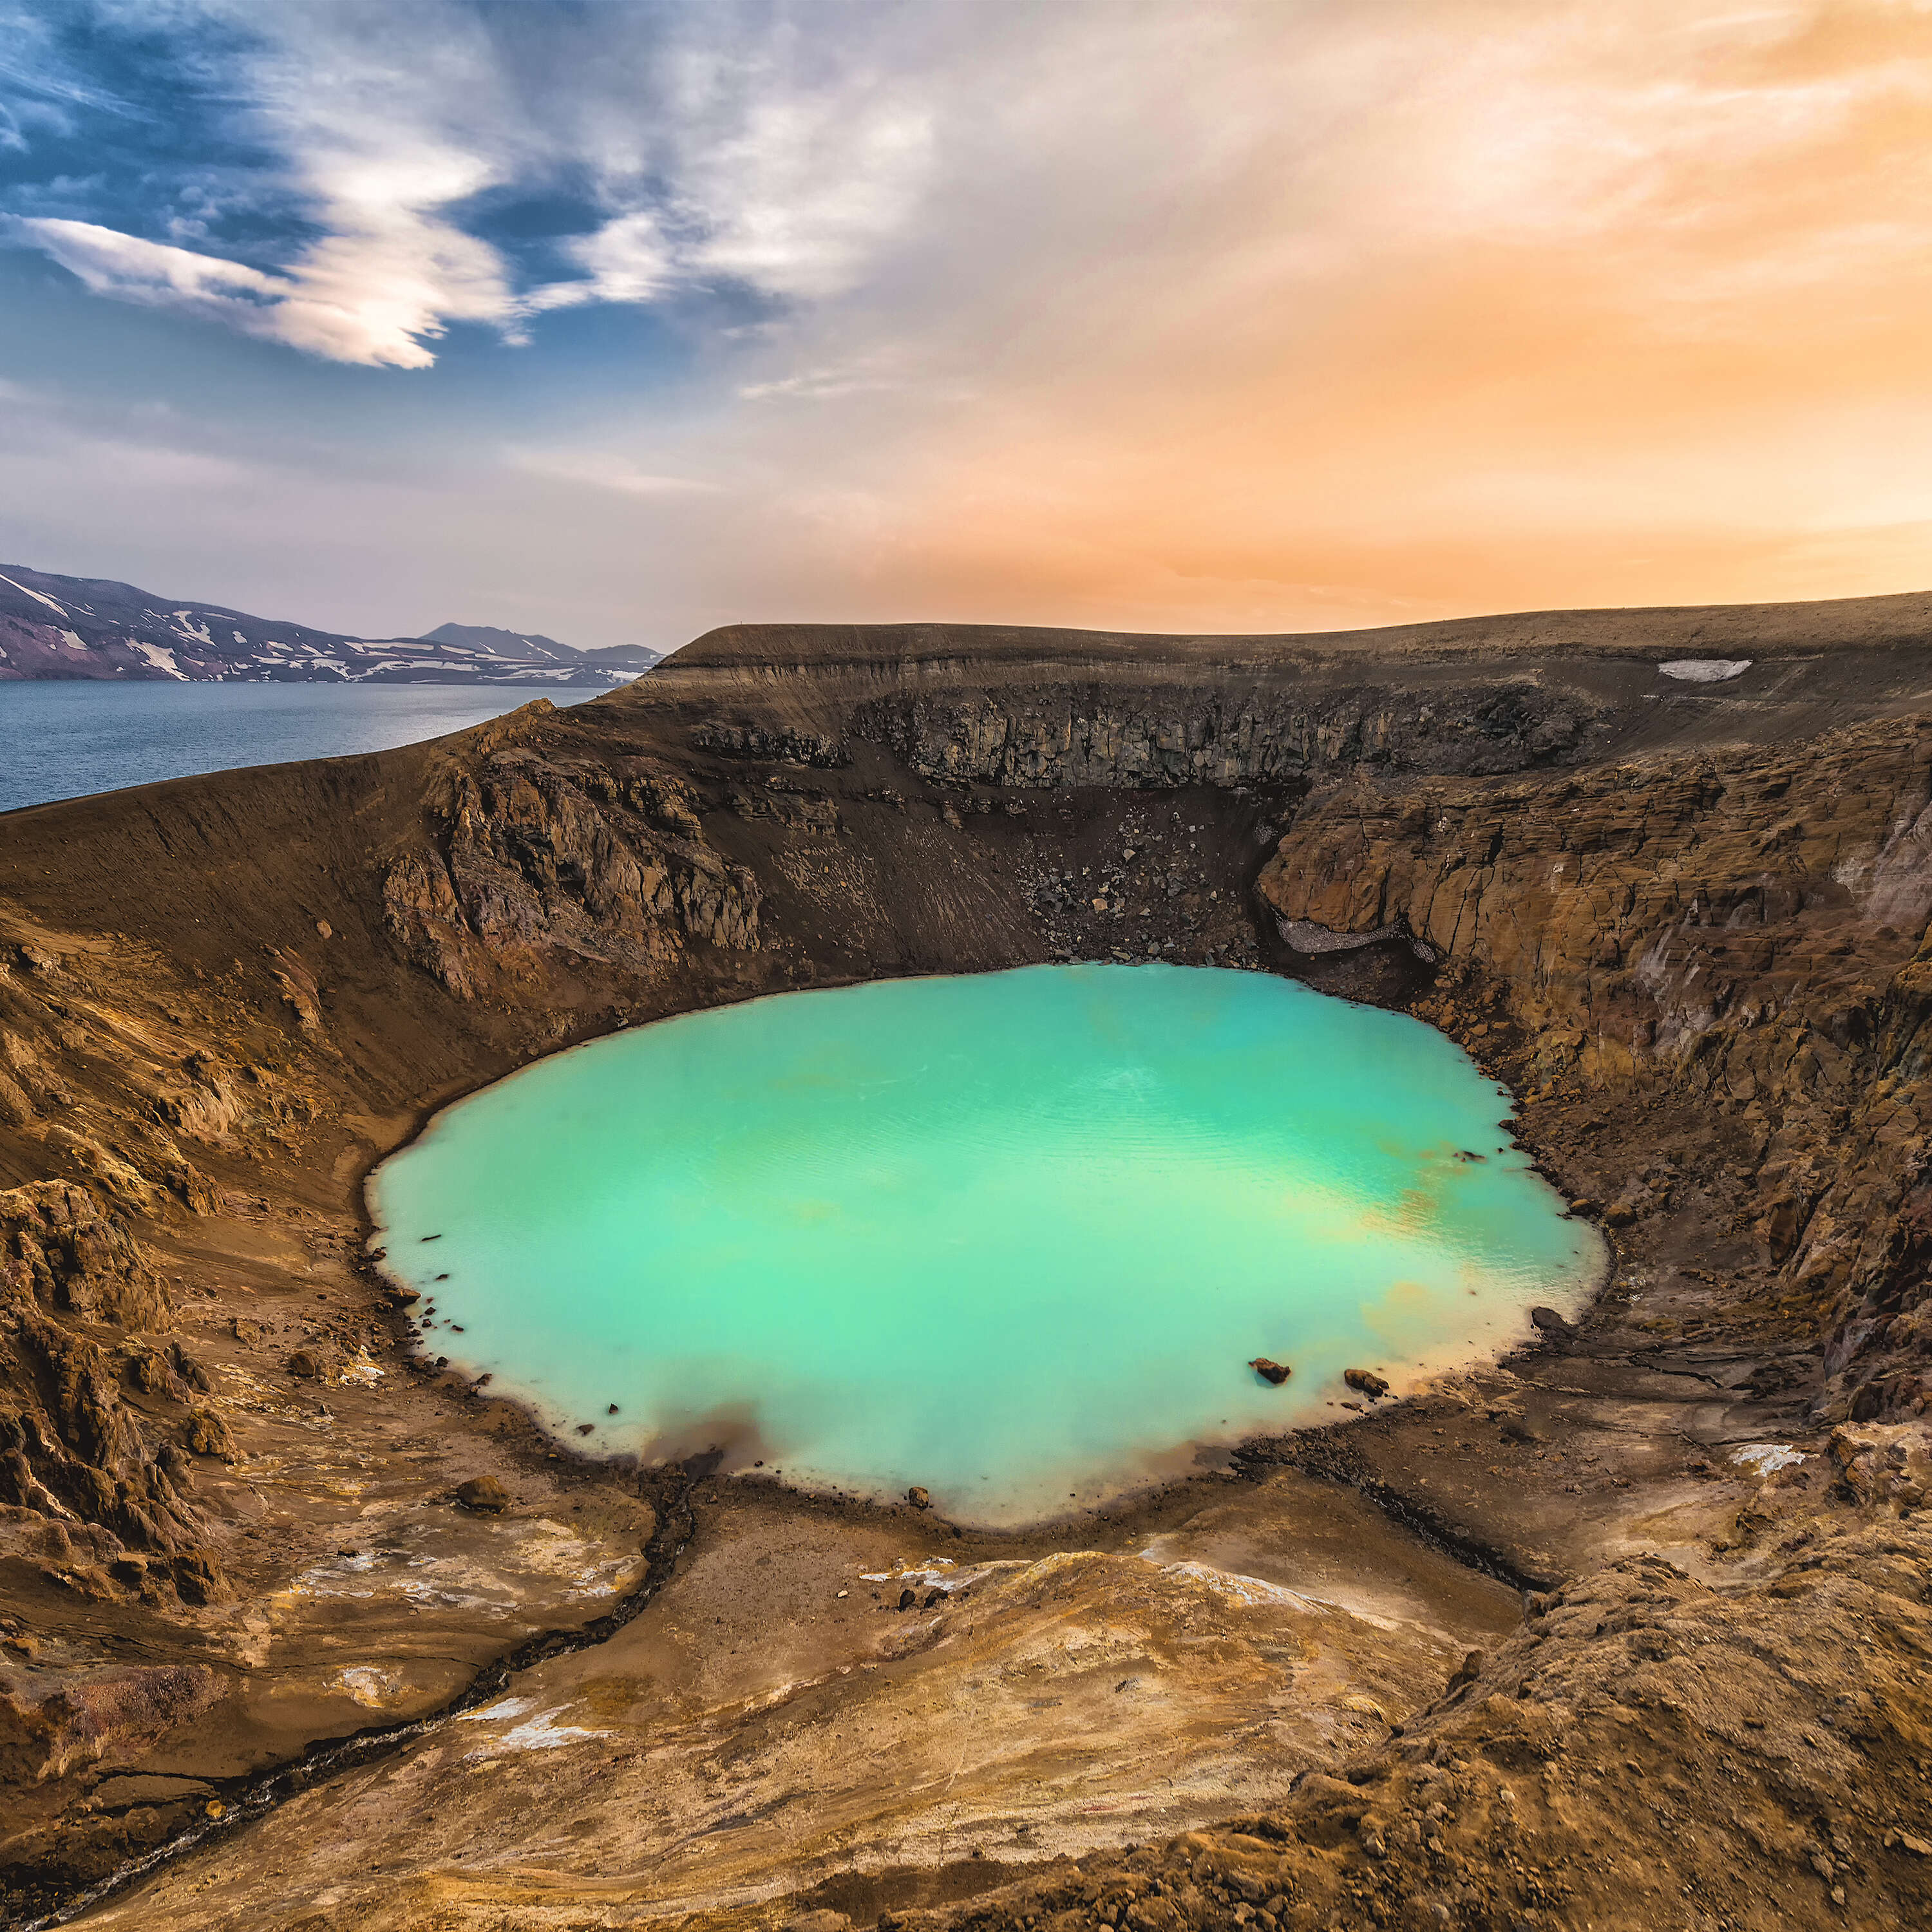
(1766, 1458)
(160, 657)
(1705, 670)
(34, 594)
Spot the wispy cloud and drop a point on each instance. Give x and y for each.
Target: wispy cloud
(709, 146)
(600, 470)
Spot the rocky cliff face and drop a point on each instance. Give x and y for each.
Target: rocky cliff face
(1104, 736)
(535, 865)
(1746, 926)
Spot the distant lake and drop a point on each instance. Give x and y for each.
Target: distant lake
(63, 739)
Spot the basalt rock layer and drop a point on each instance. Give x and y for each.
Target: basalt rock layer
(1668, 874)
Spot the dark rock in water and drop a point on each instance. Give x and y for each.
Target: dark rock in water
(585, 1428)
(308, 1364)
(1585, 1206)
(1370, 1384)
(483, 1493)
(918, 1497)
(612, 1410)
(1549, 1321)
(1276, 1373)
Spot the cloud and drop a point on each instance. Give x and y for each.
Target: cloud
(602, 470)
(369, 295)
(627, 260)
(714, 148)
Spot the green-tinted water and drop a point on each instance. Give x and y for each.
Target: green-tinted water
(1013, 1236)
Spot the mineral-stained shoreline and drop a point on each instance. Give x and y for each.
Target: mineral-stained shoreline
(1629, 1629)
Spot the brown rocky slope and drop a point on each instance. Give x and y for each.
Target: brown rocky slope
(1686, 919)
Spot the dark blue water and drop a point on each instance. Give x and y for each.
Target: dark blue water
(65, 740)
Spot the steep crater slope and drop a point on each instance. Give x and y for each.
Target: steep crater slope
(1685, 916)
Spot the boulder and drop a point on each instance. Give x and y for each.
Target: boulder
(1367, 1380)
(1276, 1373)
(207, 1434)
(149, 1373)
(484, 1494)
(1549, 1321)
(920, 1498)
(307, 1364)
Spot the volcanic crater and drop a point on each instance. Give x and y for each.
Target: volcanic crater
(302, 1626)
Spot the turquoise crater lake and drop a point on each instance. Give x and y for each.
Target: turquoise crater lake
(1013, 1236)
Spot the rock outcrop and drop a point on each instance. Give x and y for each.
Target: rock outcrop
(539, 864)
(1743, 1724)
(114, 1506)
(62, 1248)
(1194, 736)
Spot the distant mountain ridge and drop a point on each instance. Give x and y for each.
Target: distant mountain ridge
(82, 627)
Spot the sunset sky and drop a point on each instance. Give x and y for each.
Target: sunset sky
(622, 320)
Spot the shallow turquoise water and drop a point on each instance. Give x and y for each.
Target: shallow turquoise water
(1014, 1236)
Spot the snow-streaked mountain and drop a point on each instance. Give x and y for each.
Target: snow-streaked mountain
(82, 627)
